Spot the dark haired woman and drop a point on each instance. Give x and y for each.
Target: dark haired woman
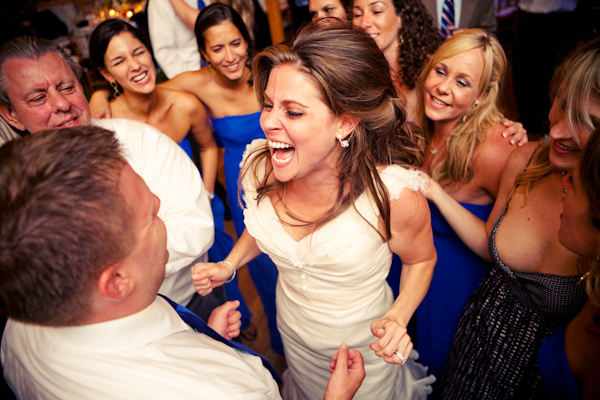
(329, 196)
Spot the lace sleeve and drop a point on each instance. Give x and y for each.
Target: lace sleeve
(396, 178)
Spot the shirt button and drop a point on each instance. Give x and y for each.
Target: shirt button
(303, 276)
(304, 287)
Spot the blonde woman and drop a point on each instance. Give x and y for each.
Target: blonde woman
(533, 285)
(464, 150)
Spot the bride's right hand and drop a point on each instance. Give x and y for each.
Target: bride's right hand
(206, 276)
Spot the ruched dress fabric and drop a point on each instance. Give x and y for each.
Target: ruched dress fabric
(494, 349)
(331, 287)
(234, 133)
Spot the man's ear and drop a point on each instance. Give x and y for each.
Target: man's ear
(11, 117)
(114, 283)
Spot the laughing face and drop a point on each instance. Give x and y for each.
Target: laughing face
(379, 20)
(128, 61)
(44, 94)
(301, 130)
(565, 151)
(226, 50)
(452, 86)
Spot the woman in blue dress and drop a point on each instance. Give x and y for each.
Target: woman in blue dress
(121, 55)
(466, 152)
(225, 88)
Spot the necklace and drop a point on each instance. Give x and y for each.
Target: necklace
(433, 150)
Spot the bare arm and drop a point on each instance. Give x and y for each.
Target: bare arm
(412, 240)
(99, 104)
(470, 229)
(206, 276)
(209, 153)
(185, 13)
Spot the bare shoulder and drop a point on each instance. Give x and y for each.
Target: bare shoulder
(191, 81)
(408, 209)
(519, 158)
(495, 149)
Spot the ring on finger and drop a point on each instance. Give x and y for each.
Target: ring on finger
(402, 359)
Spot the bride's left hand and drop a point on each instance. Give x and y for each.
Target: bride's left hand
(392, 338)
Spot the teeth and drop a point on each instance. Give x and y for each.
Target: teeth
(140, 77)
(563, 147)
(279, 145)
(438, 102)
(231, 67)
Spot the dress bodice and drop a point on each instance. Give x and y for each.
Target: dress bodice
(559, 298)
(237, 131)
(331, 287)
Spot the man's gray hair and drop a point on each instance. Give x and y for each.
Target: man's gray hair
(30, 47)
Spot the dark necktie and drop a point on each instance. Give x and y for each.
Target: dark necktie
(200, 326)
(447, 19)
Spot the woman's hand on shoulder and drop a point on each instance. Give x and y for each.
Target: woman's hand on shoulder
(514, 132)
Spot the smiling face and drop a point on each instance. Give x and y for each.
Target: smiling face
(300, 128)
(44, 93)
(577, 232)
(379, 20)
(128, 61)
(565, 151)
(326, 8)
(226, 50)
(452, 86)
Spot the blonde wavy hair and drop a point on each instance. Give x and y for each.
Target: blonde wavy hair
(456, 164)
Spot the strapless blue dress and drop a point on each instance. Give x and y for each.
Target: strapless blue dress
(234, 133)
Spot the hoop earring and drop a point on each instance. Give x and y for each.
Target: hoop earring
(115, 87)
(343, 143)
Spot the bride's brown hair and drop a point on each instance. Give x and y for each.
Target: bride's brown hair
(352, 77)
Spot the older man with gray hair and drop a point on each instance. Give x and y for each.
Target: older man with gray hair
(40, 89)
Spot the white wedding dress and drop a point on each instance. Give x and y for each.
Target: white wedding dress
(331, 286)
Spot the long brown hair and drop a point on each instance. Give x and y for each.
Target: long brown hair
(362, 89)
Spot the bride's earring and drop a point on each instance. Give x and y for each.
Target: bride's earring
(343, 143)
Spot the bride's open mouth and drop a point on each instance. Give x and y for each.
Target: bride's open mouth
(281, 153)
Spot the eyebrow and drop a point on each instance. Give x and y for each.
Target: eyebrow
(286, 102)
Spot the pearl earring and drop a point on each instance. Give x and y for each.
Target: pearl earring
(343, 143)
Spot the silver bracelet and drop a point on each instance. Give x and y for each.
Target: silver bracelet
(232, 277)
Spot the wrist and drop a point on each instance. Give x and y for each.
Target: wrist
(233, 273)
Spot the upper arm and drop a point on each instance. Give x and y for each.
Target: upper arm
(412, 236)
(199, 120)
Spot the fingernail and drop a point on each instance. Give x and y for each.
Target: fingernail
(504, 135)
(512, 142)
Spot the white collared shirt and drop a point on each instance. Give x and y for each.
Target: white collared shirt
(184, 205)
(152, 354)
